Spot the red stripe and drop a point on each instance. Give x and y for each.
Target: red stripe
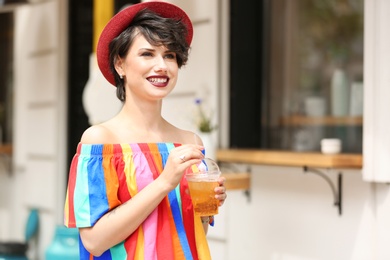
(131, 244)
(164, 243)
(123, 191)
(188, 216)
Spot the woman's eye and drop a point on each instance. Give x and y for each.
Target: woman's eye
(170, 56)
(147, 54)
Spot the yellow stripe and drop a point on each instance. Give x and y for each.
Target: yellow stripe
(129, 170)
(201, 241)
(194, 168)
(103, 10)
(139, 250)
(66, 208)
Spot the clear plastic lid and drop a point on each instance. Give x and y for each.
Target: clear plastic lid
(207, 167)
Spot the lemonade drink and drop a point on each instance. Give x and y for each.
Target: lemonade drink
(202, 180)
(203, 195)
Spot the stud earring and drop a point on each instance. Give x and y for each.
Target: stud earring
(121, 76)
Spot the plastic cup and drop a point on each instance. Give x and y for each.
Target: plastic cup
(202, 180)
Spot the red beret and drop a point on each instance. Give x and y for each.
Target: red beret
(122, 20)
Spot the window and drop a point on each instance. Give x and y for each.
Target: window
(304, 74)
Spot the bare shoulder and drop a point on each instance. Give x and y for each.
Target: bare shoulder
(188, 137)
(97, 134)
(197, 139)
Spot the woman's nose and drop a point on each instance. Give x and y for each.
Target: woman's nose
(161, 65)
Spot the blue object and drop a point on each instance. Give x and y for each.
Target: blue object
(65, 245)
(32, 224)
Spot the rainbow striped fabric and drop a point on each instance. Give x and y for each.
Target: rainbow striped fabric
(103, 176)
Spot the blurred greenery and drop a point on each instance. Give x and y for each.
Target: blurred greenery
(330, 36)
(333, 25)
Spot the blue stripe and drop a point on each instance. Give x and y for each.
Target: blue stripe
(164, 152)
(179, 224)
(81, 192)
(97, 185)
(119, 251)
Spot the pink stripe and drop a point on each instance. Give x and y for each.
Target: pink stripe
(144, 177)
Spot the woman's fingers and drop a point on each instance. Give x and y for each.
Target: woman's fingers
(221, 191)
(188, 152)
(181, 158)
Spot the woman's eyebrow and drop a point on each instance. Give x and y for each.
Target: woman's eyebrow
(147, 49)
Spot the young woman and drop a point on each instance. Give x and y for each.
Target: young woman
(127, 193)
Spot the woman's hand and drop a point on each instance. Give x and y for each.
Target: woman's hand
(181, 158)
(221, 191)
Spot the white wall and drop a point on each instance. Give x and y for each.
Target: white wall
(291, 216)
(376, 140)
(37, 178)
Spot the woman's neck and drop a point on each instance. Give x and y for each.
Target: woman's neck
(143, 114)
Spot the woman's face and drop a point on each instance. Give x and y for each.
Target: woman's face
(149, 71)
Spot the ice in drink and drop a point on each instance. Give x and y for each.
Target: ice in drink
(203, 196)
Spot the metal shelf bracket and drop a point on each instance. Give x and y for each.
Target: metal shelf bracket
(248, 192)
(337, 190)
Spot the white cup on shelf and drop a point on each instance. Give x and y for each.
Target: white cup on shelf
(330, 146)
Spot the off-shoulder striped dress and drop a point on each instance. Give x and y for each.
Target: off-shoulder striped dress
(103, 176)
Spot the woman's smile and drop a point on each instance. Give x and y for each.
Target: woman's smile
(158, 81)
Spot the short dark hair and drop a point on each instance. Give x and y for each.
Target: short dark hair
(158, 31)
